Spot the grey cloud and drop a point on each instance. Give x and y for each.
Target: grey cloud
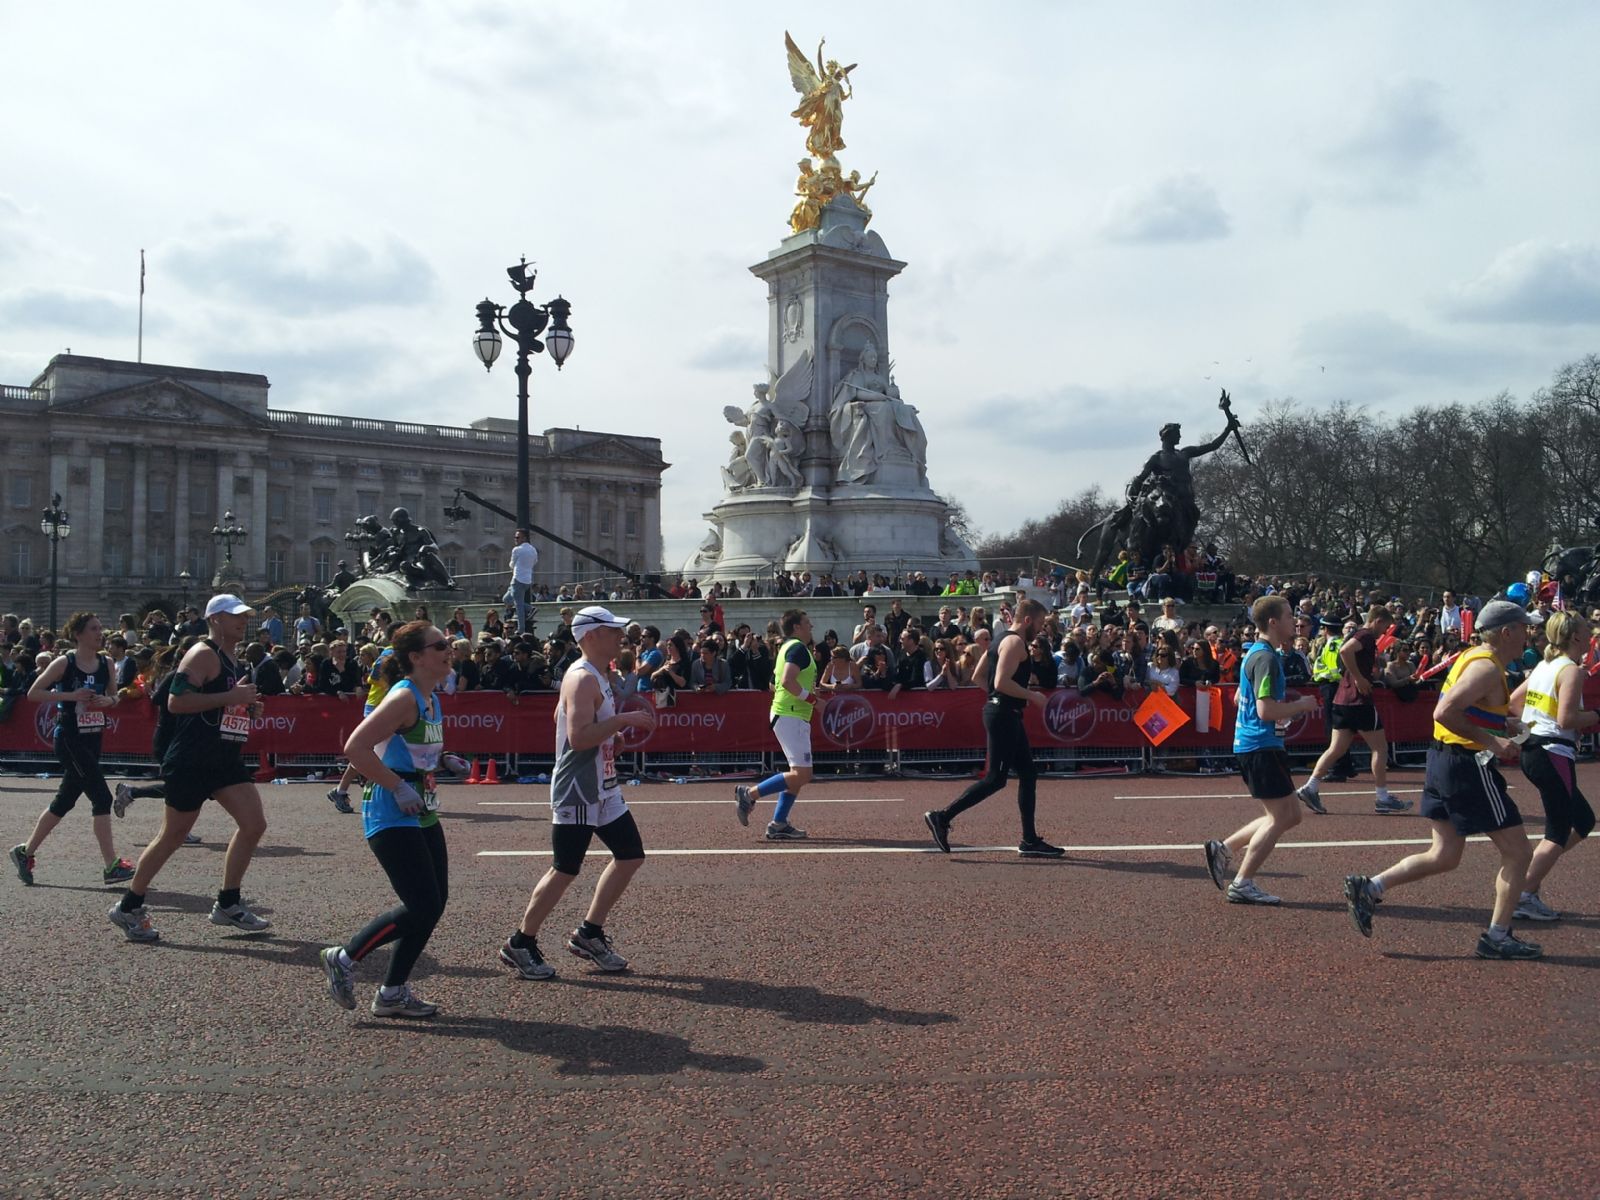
(1179, 208)
(1078, 417)
(1534, 282)
(268, 267)
(1378, 353)
(731, 350)
(70, 310)
(1402, 137)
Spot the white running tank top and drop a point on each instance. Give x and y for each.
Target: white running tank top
(1539, 706)
(584, 781)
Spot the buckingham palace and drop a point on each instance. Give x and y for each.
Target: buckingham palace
(147, 460)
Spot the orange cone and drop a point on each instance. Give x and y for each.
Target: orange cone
(472, 775)
(264, 771)
(494, 772)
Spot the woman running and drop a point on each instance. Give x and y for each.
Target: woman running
(83, 689)
(397, 749)
(1554, 716)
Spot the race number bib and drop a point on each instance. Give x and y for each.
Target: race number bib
(608, 765)
(91, 720)
(430, 793)
(235, 726)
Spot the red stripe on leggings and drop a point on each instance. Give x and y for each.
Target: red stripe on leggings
(377, 940)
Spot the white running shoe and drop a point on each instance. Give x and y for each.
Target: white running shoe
(526, 961)
(784, 832)
(135, 925)
(239, 917)
(1531, 908)
(597, 950)
(123, 798)
(406, 1004)
(341, 979)
(1248, 893)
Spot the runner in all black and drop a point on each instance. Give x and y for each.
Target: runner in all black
(1464, 793)
(83, 689)
(585, 802)
(203, 761)
(1009, 697)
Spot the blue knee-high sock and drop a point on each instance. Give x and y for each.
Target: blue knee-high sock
(770, 787)
(786, 801)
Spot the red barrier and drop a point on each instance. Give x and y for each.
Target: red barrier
(492, 723)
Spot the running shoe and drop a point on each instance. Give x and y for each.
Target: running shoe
(1359, 902)
(597, 950)
(118, 872)
(191, 839)
(939, 826)
(1531, 908)
(1308, 797)
(1507, 947)
(1219, 861)
(1039, 848)
(123, 798)
(341, 979)
(526, 960)
(784, 832)
(240, 917)
(406, 1004)
(1387, 803)
(341, 800)
(135, 925)
(745, 798)
(23, 862)
(1248, 893)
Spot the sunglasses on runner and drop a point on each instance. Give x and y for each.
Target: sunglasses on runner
(439, 645)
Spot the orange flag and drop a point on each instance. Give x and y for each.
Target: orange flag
(1159, 717)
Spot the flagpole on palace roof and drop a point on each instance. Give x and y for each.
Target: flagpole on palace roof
(141, 306)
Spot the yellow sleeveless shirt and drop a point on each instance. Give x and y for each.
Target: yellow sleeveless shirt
(1500, 706)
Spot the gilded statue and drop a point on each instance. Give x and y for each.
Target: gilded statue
(823, 90)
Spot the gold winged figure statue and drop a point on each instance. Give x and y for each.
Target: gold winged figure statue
(823, 90)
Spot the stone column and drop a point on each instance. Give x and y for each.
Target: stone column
(94, 522)
(180, 513)
(259, 527)
(592, 541)
(139, 466)
(650, 534)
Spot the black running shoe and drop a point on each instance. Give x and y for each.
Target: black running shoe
(1507, 947)
(1219, 861)
(939, 827)
(1039, 848)
(1358, 900)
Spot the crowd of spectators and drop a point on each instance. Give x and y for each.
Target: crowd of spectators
(1096, 641)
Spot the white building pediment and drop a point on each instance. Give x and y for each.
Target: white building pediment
(162, 400)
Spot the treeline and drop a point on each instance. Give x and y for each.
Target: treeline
(1468, 496)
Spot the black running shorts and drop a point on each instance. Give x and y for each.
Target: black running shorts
(1361, 718)
(1266, 773)
(1470, 795)
(194, 781)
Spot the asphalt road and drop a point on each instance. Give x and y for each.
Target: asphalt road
(851, 1017)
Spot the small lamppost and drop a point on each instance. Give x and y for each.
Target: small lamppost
(523, 323)
(184, 580)
(53, 523)
(229, 532)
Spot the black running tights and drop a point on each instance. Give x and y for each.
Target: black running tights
(419, 868)
(1008, 751)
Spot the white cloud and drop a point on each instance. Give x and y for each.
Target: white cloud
(1536, 282)
(1179, 208)
(1402, 138)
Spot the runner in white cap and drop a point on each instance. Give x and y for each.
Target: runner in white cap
(205, 760)
(586, 801)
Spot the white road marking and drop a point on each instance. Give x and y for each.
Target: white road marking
(631, 801)
(1134, 849)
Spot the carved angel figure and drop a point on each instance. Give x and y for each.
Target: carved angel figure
(787, 447)
(787, 401)
(737, 475)
(823, 90)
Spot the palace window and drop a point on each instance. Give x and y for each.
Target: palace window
(21, 491)
(277, 566)
(322, 566)
(157, 494)
(322, 505)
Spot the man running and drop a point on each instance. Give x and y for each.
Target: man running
(205, 760)
(794, 698)
(1353, 712)
(1258, 749)
(586, 802)
(1008, 669)
(1464, 793)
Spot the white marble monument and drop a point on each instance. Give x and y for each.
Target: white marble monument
(829, 464)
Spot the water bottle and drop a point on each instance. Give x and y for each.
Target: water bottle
(541, 777)
(631, 782)
(280, 783)
(42, 775)
(527, 779)
(679, 779)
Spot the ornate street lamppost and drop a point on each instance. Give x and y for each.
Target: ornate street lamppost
(523, 323)
(184, 580)
(53, 523)
(229, 532)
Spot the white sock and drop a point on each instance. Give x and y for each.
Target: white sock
(1375, 886)
(1527, 895)
(1311, 784)
(1498, 933)
(345, 960)
(1383, 794)
(391, 993)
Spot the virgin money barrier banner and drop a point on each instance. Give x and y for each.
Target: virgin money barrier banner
(493, 723)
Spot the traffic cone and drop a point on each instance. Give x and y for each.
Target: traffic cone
(494, 772)
(472, 775)
(264, 770)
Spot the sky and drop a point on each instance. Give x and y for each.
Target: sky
(1108, 211)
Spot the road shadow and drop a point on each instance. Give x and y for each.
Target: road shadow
(258, 947)
(604, 1050)
(802, 1004)
(1582, 962)
(490, 818)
